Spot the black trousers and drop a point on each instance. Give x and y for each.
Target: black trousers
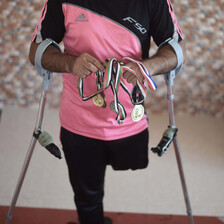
(87, 159)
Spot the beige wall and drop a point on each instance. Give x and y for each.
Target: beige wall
(199, 88)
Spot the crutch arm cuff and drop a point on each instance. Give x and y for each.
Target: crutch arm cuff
(179, 54)
(39, 54)
(178, 51)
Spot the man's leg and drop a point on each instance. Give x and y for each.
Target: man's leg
(129, 153)
(86, 164)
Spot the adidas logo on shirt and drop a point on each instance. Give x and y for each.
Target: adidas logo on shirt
(81, 18)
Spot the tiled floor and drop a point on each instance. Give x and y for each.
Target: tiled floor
(155, 190)
(53, 216)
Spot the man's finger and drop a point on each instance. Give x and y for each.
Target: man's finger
(85, 71)
(90, 67)
(131, 79)
(95, 63)
(127, 74)
(136, 69)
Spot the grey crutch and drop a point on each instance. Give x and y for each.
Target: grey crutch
(169, 134)
(43, 137)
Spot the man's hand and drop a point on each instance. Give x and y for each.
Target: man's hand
(163, 61)
(84, 65)
(55, 61)
(131, 78)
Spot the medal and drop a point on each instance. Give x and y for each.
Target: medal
(137, 113)
(99, 100)
(112, 106)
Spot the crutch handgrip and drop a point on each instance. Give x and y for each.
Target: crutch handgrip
(46, 141)
(165, 141)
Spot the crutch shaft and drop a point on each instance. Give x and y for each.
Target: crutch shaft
(46, 75)
(170, 98)
(40, 114)
(21, 179)
(28, 156)
(183, 182)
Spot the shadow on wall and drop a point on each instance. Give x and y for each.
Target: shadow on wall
(199, 88)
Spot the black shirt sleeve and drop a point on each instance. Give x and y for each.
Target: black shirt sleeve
(163, 24)
(51, 22)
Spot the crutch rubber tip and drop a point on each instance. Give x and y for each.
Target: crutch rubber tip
(158, 151)
(54, 150)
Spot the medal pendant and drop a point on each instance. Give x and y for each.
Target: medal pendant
(137, 113)
(99, 100)
(112, 106)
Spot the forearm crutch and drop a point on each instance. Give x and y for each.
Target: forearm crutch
(169, 134)
(43, 137)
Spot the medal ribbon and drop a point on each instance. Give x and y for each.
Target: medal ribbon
(145, 73)
(113, 77)
(117, 77)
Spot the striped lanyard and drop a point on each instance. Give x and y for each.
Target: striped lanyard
(144, 71)
(113, 77)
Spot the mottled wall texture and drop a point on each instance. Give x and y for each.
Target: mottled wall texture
(198, 89)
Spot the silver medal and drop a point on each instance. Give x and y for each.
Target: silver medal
(137, 113)
(112, 106)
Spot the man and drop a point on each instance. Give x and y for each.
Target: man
(92, 32)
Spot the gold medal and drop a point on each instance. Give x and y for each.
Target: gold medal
(99, 100)
(137, 113)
